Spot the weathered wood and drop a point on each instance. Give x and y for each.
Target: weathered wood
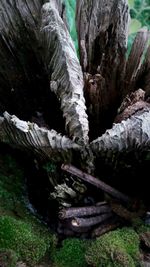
(83, 211)
(127, 214)
(96, 182)
(145, 74)
(85, 222)
(132, 103)
(36, 50)
(102, 33)
(29, 136)
(135, 61)
(130, 135)
(24, 80)
(145, 238)
(112, 224)
(66, 74)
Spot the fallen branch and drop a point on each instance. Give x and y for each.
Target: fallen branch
(83, 211)
(96, 182)
(125, 213)
(104, 228)
(84, 222)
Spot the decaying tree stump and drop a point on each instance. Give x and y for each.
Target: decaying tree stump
(99, 103)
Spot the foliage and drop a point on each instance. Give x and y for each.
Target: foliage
(71, 254)
(140, 17)
(70, 10)
(140, 11)
(116, 249)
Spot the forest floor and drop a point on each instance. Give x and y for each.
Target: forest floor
(26, 241)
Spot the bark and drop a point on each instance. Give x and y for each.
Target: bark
(86, 222)
(28, 136)
(102, 32)
(145, 238)
(127, 214)
(66, 77)
(112, 224)
(145, 74)
(132, 134)
(96, 182)
(131, 104)
(135, 59)
(83, 211)
(38, 59)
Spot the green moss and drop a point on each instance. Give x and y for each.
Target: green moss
(115, 249)
(11, 185)
(22, 239)
(20, 231)
(71, 254)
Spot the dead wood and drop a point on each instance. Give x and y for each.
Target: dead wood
(145, 238)
(102, 34)
(83, 211)
(42, 142)
(134, 62)
(145, 74)
(132, 134)
(132, 103)
(37, 54)
(86, 222)
(126, 214)
(96, 182)
(112, 224)
(66, 75)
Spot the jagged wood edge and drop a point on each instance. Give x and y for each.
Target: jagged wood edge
(145, 72)
(132, 134)
(134, 62)
(67, 77)
(102, 28)
(107, 20)
(29, 136)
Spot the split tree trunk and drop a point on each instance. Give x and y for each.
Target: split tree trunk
(99, 103)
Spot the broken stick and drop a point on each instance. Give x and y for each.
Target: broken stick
(84, 222)
(96, 182)
(83, 211)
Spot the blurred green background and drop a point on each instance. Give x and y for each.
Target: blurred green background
(139, 11)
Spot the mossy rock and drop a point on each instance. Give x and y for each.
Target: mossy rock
(20, 237)
(71, 254)
(119, 248)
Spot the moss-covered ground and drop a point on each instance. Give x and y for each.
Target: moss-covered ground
(23, 238)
